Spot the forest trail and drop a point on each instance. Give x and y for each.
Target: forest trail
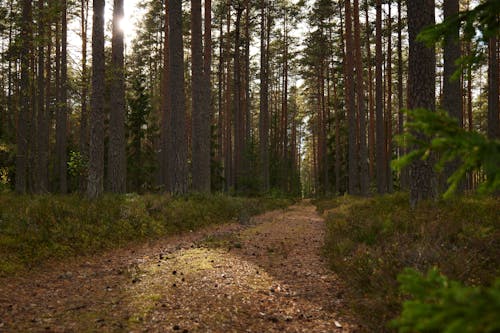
(264, 274)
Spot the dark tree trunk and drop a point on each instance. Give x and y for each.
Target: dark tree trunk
(389, 103)
(379, 106)
(96, 119)
(84, 128)
(421, 91)
(239, 131)
(164, 156)
(493, 110)
(178, 173)
(117, 160)
(360, 94)
(350, 102)
(452, 88)
(264, 100)
(23, 122)
(42, 168)
(200, 114)
(404, 173)
(62, 107)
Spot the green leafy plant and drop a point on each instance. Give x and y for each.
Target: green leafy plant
(444, 136)
(438, 304)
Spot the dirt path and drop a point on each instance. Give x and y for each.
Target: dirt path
(265, 276)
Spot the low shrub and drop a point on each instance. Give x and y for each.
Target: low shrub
(36, 228)
(370, 241)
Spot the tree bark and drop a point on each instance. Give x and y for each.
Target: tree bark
(379, 106)
(353, 169)
(117, 160)
(452, 87)
(23, 122)
(178, 172)
(96, 147)
(200, 114)
(264, 100)
(42, 168)
(493, 110)
(421, 92)
(360, 94)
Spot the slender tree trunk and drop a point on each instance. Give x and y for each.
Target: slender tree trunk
(62, 107)
(84, 131)
(371, 111)
(452, 88)
(264, 100)
(238, 116)
(360, 94)
(381, 165)
(96, 119)
(23, 122)
(117, 159)
(350, 101)
(42, 168)
(207, 85)
(493, 110)
(178, 172)
(228, 163)
(421, 91)
(404, 173)
(165, 105)
(200, 114)
(388, 118)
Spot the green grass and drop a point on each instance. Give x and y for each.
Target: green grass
(34, 229)
(370, 241)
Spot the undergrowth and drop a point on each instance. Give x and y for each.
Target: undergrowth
(370, 241)
(36, 228)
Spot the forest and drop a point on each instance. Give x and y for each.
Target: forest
(249, 165)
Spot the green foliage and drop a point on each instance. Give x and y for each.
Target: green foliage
(480, 23)
(370, 241)
(438, 304)
(444, 136)
(36, 228)
(483, 19)
(77, 164)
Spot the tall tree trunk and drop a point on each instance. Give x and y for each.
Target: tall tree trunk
(200, 115)
(42, 168)
(388, 117)
(360, 94)
(62, 107)
(350, 102)
(371, 111)
(117, 159)
(381, 165)
(164, 155)
(238, 116)
(228, 163)
(84, 128)
(96, 119)
(452, 88)
(178, 172)
(207, 86)
(404, 173)
(23, 122)
(421, 91)
(264, 100)
(493, 110)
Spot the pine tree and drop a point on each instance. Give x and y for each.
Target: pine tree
(96, 120)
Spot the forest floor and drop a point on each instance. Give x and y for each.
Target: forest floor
(266, 274)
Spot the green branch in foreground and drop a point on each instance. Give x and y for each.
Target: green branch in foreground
(444, 136)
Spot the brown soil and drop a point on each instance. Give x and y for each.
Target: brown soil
(266, 275)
